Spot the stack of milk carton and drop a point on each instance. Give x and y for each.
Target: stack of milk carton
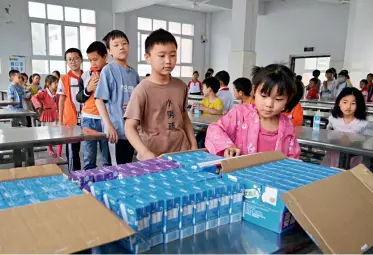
(36, 190)
(196, 160)
(86, 178)
(171, 205)
(264, 184)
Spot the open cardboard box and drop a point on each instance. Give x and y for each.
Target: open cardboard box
(336, 212)
(60, 226)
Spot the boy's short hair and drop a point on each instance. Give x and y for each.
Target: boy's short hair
(74, 50)
(195, 72)
(13, 72)
(243, 84)
(343, 73)
(25, 75)
(316, 73)
(159, 36)
(223, 76)
(114, 34)
(97, 47)
(315, 80)
(298, 78)
(365, 81)
(370, 74)
(329, 71)
(210, 70)
(212, 83)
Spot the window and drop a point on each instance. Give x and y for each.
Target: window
(56, 28)
(184, 35)
(306, 65)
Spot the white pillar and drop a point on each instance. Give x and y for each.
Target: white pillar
(359, 46)
(243, 37)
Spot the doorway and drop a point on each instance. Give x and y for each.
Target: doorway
(305, 65)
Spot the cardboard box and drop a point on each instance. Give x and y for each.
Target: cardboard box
(82, 222)
(336, 212)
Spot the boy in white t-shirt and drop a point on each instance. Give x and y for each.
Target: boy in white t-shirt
(224, 93)
(195, 86)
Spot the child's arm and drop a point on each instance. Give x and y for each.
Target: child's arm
(36, 100)
(294, 148)
(188, 127)
(218, 136)
(211, 110)
(111, 133)
(298, 116)
(133, 137)
(102, 94)
(11, 94)
(61, 107)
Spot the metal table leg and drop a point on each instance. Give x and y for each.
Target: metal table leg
(17, 157)
(30, 159)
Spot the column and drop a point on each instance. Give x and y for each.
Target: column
(359, 44)
(242, 57)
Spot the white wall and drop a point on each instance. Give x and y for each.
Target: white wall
(16, 38)
(168, 14)
(285, 29)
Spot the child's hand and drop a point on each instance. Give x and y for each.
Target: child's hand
(112, 134)
(232, 152)
(148, 155)
(202, 107)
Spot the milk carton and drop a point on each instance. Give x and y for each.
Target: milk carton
(187, 202)
(112, 197)
(200, 210)
(171, 216)
(237, 205)
(98, 188)
(225, 203)
(82, 178)
(213, 196)
(156, 217)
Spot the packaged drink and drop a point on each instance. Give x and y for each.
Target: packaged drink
(212, 205)
(316, 121)
(200, 213)
(112, 197)
(187, 214)
(98, 188)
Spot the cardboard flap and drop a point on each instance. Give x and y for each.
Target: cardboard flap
(233, 164)
(337, 211)
(29, 172)
(60, 226)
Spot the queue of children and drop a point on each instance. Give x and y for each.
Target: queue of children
(151, 116)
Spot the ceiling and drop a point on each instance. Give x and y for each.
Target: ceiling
(206, 6)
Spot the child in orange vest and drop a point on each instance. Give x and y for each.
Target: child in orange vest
(45, 101)
(69, 108)
(296, 114)
(97, 55)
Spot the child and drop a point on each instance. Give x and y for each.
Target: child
(16, 93)
(195, 86)
(242, 90)
(68, 106)
(370, 87)
(26, 102)
(296, 114)
(329, 85)
(157, 120)
(45, 101)
(364, 89)
(25, 79)
(56, 74)
(348, 115)
(249, 129)
(211, 104)
(114, 89)
(97, 55)
(312, 92)
(341, 83)
(224, 92)
(316, 74)
(34, 84)
(210, 71)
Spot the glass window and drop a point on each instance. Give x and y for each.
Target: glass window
(71, 37)
(143, 38)
(144, 69)
(36, 10)
(138, 46)
(188, 29)
(54, 12)
(86, 65)
(174, 27)
(310, 63)
(144, 24)
(176, 71)
(186, 51)
(323, 63)
(178, 40)
(58, 65)
(88, 16)
(55, 40)
(87, 36)
(186, 71)
(157, 24)
(72, 14)
(40, 66)
(38, 39)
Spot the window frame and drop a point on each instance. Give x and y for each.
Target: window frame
(180, 64)
(61, 23)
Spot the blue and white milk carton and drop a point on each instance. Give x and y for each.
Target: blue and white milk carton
(187, 202)
(200, 211)
(213, 196)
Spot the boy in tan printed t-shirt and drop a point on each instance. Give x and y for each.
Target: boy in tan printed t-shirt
(157, 120)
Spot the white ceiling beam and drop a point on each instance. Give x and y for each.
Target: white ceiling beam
(130, 5)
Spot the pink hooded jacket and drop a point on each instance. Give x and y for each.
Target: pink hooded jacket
(240, 127)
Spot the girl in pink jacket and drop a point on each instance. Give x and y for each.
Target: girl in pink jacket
(249, 129)
(46, 102)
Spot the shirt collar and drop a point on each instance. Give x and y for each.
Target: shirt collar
(225, 88)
